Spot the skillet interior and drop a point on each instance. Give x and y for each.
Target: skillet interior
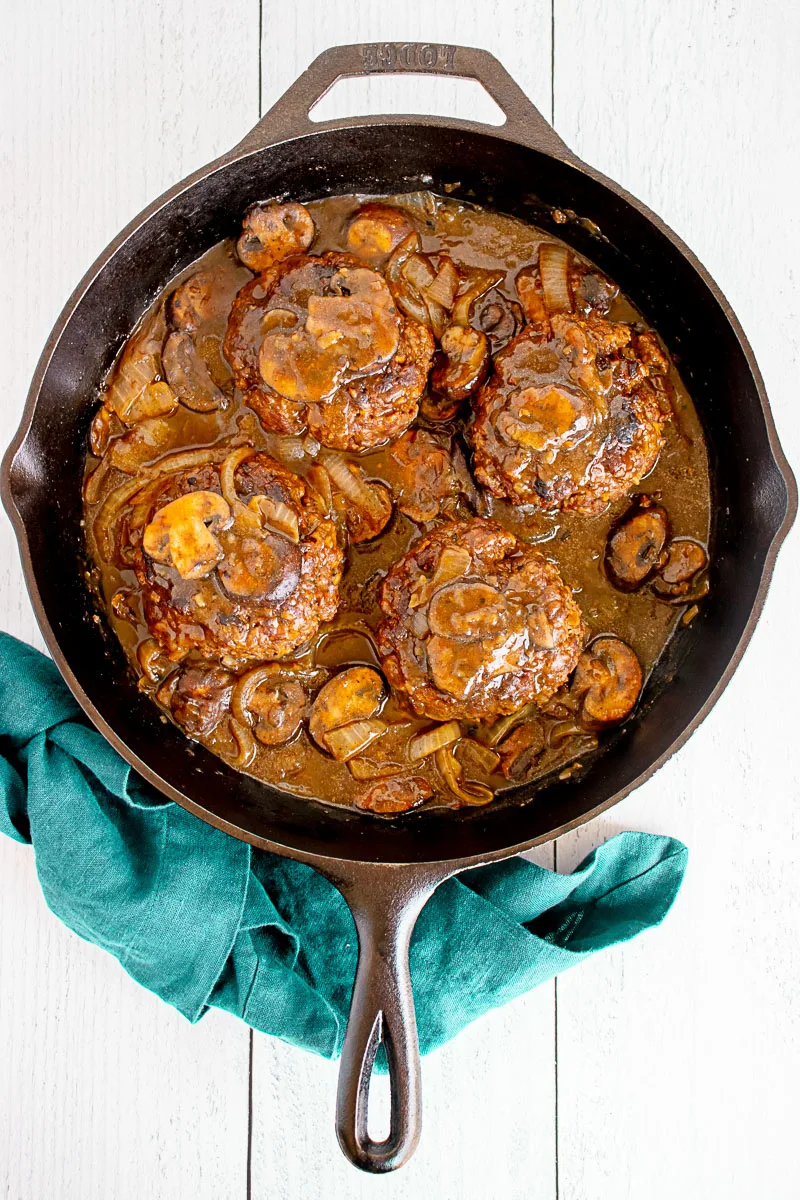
(750, 494)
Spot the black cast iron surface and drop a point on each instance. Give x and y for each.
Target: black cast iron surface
(521, 169)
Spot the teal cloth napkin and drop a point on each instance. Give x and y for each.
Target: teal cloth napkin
(204, 920)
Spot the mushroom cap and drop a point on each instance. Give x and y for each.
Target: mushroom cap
(271, 232)
(181, 534)
(355, 694)
(608, 681)
(635, 545)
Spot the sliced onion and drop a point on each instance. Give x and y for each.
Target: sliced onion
(109, 512)
(438, 317)
(320, 480)
(352, 485)
(487, 760)
(409, 301)
(94, 483)
(418, 271)
(279, 516)
(348, 740)
(287, 448)
(246, 687)
(362, 769)
(452, 773)
(425, 744)
(409, 245)
(482, 281)
(228, 471)
(445, 286)
(499, 730)
(245, 745)
(554, 272)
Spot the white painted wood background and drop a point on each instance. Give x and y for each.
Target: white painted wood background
(670, 1067)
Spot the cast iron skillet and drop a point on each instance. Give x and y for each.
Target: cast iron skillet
(387, 869)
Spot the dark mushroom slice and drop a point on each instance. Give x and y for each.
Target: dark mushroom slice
(375, 230)
(192, 302)
(607, 681)
(463, 363)
(182, 534)
(271, 700)
(271, 232)
(188, 374)
(635, 545)
(354, 696)
(499, 318)
(395, 795)
(685, 560)
(520, 750)
(201, 697)
(261, 568)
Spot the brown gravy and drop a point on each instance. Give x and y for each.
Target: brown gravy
(574, 542)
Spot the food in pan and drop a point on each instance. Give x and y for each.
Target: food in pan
(395, 502)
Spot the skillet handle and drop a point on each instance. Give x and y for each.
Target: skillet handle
(289, 117)
(385, 901)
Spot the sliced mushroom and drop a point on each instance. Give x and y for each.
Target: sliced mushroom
(455, 665)
(467, 610)
(192, 302)
(685, 560)
(607, 680)
(182, 534)
(464, 362)
(520, 749)
(271, 232)
(270, 700)
(188, 374)
(154, 663)
(353, 695)
(635, 545)
(200, 698)
(501, 319)
(264, 568)
(395, 795)
(375, 231)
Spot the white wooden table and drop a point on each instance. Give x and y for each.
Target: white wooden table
(670, 1067)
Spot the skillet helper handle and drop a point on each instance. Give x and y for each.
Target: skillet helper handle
(289, 117)
(385, 902)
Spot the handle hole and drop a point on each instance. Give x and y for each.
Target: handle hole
(409, 92)
(379, 1099)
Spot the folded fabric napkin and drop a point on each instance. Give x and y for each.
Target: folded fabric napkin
(202, 919)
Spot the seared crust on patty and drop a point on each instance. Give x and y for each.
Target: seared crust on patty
(477, 623)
